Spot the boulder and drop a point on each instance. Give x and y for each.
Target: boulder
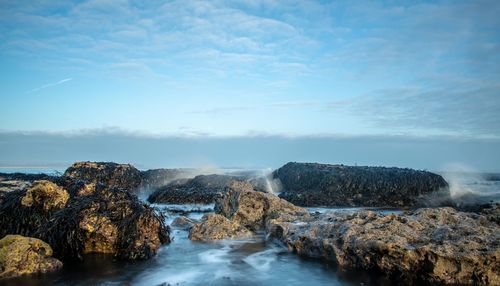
(202, 189)
(426, 246)
(92, 219)
(216, 227)
(25, 255)
(311, 184)
(113, 175)
(252, 209)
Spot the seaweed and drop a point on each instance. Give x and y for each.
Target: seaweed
(135, 222)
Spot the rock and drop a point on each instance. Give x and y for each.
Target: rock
(97, 220)
(311, 184)
(429, 246)
(216, 227)
(24, 255)
(45, 195)
(202, 189)
(13, 185)
(183, 222)
(113, 175)
(157, 178)
(252, 209)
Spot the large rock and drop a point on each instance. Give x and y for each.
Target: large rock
(252, 209)
(437, 245)
(94, 219)
(113, 175)
(311, 184)
(202, 189)
(216, 227)
(157, 178)
(24, 255)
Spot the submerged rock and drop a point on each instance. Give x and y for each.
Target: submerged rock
(202, 189)
(215, 227)
(311, 184)
(96, 220)
(25, 255)
(113, 175)
(437, 245)
(183, 222)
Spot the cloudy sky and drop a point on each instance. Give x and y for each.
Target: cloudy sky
(252, 68)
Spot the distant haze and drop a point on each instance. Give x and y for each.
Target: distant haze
(432, 153)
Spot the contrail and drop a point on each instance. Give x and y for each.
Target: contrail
(49, 85)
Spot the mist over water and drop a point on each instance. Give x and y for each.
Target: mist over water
(469, 186)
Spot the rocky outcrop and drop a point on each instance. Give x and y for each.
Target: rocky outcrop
(216, 227)
(311, 184)
(242, 211)
(84, 218)
(437, 246)
(202, 189)
(252, 209)
(24, 255)
(113, 175)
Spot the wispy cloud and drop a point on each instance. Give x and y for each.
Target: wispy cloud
(49, 85)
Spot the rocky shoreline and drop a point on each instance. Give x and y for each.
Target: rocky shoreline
(93, 208)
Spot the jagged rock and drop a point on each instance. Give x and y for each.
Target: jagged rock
(101, 220)
(183, 222)
(252, 209)
(113, 175)
(434, 246)
(45, 195)
(311, 184)
(215, 227)
(24, 255)
(202, 189)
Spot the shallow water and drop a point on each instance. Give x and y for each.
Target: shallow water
(239, 262)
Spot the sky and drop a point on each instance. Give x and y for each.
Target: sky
(291, 70)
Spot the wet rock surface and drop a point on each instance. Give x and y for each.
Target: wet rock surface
(252, 209)
(202, 189)
(183, 222)
(216, 227)
(24, 255)
(242, 211)
(113, 175)
(82, 218)
(439, 245)
(312, 184)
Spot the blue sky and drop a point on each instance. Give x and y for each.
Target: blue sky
(239, 68)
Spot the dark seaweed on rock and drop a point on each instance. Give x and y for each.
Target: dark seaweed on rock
(202, 189)
(311, 184)
(156, 178)
(101, 221)
(113, 175)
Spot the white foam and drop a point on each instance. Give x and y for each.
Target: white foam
(261, 261)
